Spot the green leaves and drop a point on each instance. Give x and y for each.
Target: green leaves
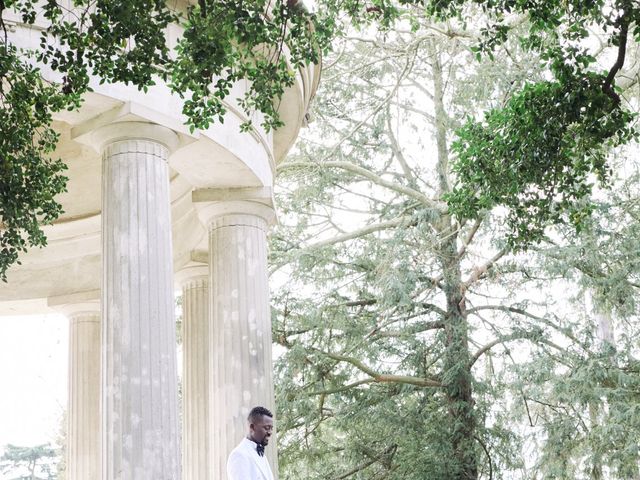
(266, 42)
(539, 156)
(227, 41)
(260, 42)
(29, 178)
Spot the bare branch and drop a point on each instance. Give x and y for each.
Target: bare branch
(622, 50)
(397, 151)
(481, 271)
(486, 452)
(467, 240)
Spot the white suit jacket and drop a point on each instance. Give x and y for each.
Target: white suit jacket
(244, 463)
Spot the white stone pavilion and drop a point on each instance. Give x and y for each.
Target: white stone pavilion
(152, 209)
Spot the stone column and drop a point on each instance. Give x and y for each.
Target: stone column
(83, 410)
(194, 282)
(240, 335)
(140, 403)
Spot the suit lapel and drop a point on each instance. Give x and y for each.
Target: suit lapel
(264, 468)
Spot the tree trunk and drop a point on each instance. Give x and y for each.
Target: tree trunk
(457, 372)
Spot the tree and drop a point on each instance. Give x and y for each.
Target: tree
(28, 463)
(61, 447)
(594, 396)
(399, 321)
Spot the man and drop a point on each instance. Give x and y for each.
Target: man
(247, 460)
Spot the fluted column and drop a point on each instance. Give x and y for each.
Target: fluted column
(83, 410)
(140, 406)
(194, 282)
(240, 335)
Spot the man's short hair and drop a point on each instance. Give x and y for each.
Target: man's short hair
(256, 413)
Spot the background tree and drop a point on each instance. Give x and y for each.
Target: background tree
(28, 463)
(416, 342)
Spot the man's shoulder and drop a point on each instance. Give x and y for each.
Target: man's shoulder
(240, 450)
(240, 464)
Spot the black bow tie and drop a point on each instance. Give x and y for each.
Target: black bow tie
(260, 449)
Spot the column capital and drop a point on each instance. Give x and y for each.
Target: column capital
(77, 303)
(192, 273)
(104, 135)
(209, 212)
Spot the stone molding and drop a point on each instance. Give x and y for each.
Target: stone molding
(191, 274)
(80, 303)
(211, 212)
(128, 131)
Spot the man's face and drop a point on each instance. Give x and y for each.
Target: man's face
(261, 430)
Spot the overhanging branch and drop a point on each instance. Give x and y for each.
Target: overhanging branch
(519, 311)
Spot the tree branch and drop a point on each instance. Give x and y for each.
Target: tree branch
(382, 377)
(468, 239)
(397, 151)
(377, 227)
(533, 336)
(387, 452)
(565, 331)
(369, 175)
(343, 388)
(331, 153)
(486, 452)
(622, 51)
(481, 271)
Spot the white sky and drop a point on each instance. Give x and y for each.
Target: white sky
(33, 378)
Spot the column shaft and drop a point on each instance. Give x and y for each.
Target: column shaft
(83, 413)
(195, 379)
(140, 417)
(241, 367)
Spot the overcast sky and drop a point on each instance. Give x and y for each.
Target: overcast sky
(33, 378)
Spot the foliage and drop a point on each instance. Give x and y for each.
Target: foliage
(28, 463)
(125, 41)
(30, 179)
(374, 381)
(264, 42)
(538, 155)
(415, 344)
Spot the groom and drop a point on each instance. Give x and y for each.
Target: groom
(247, 460)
